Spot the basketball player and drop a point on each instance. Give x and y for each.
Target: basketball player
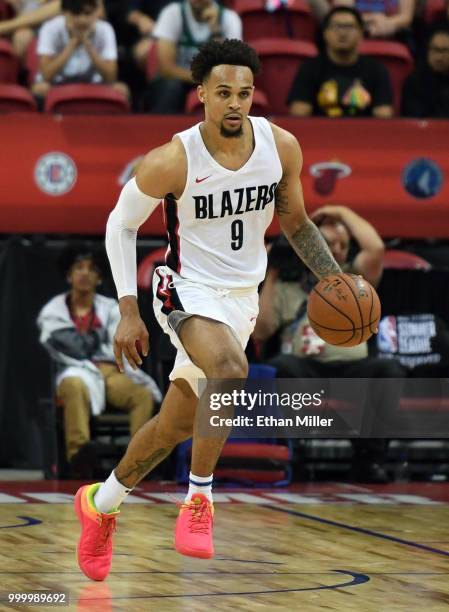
(221, 181)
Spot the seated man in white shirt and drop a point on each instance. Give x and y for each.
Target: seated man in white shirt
(77, 47)
(181, 28)
(77, 329)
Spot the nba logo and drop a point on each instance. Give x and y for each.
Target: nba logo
(387, 338)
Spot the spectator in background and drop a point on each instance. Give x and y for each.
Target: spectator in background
(142, 15)
(382, 18)
(29, 14)
(180, 31)
(77, 329)
(77, 47)
(426, 91)
(387, 18)
(340, 82)
(283, 308)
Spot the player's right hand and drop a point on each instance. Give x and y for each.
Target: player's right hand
(130, 337)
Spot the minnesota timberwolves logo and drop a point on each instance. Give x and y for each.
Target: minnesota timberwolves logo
(422, 178)
(55, 173)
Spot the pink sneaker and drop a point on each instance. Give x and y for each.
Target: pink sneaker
(94, 550)
(193, 531)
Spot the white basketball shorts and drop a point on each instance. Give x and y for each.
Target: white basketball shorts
(237, 308)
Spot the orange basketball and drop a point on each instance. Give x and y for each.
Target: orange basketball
(344, 309)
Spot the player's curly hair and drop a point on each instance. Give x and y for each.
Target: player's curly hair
(229, 51)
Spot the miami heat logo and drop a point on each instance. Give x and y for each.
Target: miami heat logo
(326, 175)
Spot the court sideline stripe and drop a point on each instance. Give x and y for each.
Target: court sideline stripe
(357, 579)
(370, 532)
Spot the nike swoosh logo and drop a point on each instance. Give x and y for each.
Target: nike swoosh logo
(197, 180)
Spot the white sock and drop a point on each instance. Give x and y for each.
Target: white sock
(110, 494)
(200, 484)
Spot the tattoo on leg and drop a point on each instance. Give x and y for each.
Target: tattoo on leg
(142, 466)
(310, 245)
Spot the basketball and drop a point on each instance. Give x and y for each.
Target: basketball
(344, 309)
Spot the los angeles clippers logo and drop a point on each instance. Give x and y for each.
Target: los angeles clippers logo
(55, 173)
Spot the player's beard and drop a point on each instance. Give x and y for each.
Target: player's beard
(231, 133)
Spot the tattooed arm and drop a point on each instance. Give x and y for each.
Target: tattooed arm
(300, 231)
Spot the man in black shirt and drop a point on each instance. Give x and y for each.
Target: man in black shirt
(142, 16)
(426, 91)
(339, 82)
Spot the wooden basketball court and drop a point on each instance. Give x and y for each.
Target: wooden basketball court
(309, 547)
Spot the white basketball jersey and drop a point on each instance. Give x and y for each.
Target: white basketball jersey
(216, 229)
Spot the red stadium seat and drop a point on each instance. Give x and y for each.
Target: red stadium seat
(255, 462)
(14, 98)
(86, 100)
(6, 10)
(403, 260)
(146, 267)
(9, 66)
(280, 59)
(434, 10)
(296, 21)
(152, 67)
(396, 59)
(259, 107)
(427, 404)
(32, 61)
